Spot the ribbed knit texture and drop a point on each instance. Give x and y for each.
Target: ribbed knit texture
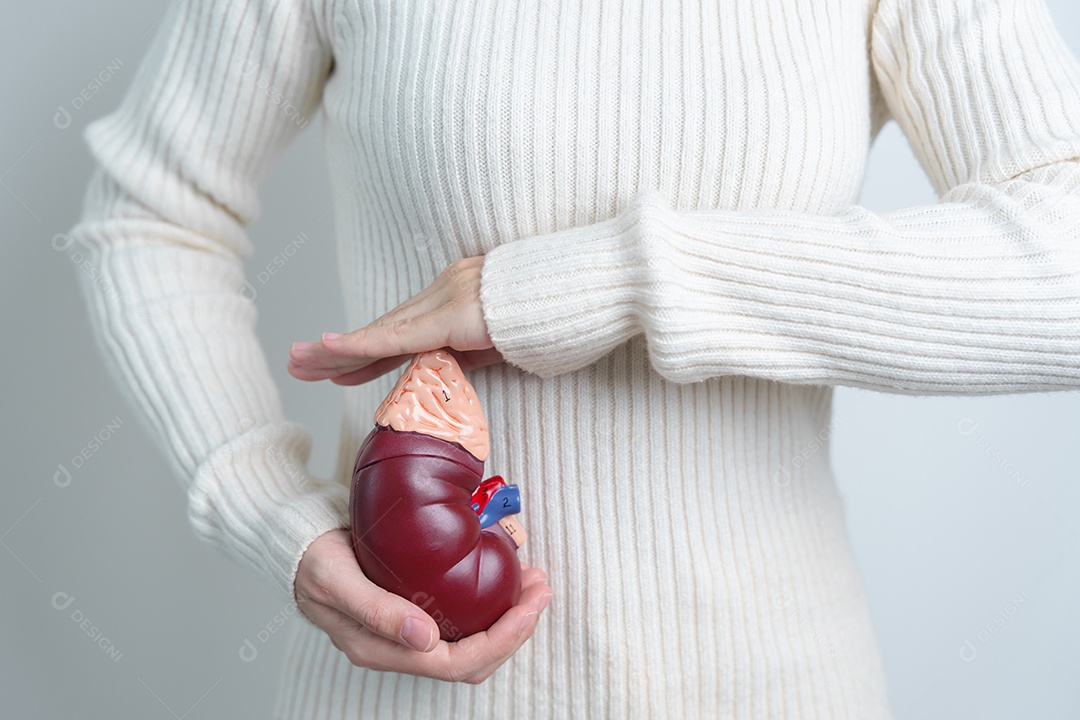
(675, 272)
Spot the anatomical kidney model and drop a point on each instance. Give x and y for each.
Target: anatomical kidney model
(424, 526)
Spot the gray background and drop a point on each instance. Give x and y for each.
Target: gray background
(952, 536)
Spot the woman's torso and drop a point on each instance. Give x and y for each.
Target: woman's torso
(692, 534)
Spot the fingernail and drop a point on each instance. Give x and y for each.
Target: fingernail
(301, 345)
(526, 621)
(332, 336)
(417, 633)
(544, 601)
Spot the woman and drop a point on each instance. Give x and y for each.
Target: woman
(634, 223)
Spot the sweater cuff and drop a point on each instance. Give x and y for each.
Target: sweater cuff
(558, 302)
(256, 503)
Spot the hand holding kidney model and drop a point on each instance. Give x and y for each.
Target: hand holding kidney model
(424, 526)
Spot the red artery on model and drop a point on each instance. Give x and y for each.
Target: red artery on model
(416, 523)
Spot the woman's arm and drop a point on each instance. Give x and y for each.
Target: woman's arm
(977, 294)
(225, 88)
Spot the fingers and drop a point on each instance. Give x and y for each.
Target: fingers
(384, 613)
(332, 576)
(360, 371)
(472, 659)
(335, 356)
(467, 359)
(363, 647)
(409, 328)
(494, 646)
(315, 361)
(371, 371)
(406, 334)
(472, 359)
(447, 313)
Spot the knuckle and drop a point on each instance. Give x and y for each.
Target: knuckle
(319, 589)
(376, 615)
(472, 289)
(466, 265)
(350, 652)
(314, 580)
(301, 595)
(312, 589)
(452, 673)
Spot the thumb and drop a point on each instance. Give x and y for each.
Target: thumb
(384, 613)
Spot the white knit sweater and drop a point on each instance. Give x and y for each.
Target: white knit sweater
(675, 273)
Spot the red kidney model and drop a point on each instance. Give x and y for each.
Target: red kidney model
(424, 526)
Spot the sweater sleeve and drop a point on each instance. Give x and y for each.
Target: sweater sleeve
(224, 89)
(976, 294)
